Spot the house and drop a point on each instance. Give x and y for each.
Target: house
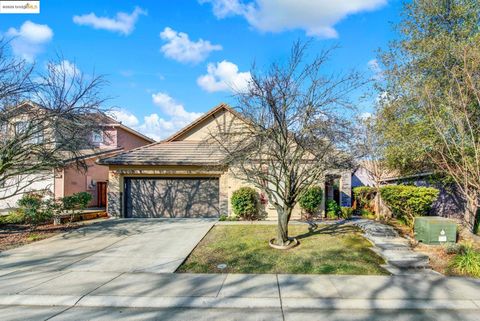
(114, 137)
(450, 202)
(183, 175)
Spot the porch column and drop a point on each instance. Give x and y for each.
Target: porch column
(346, 189)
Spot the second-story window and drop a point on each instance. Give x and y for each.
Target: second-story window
(21, 127)
(97, 137)
(3, 128)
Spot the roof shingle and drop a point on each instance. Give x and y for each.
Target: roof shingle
(186, 152)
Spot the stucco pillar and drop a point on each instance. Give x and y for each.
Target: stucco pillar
(346, 189)
(223, 197)
(114, 198)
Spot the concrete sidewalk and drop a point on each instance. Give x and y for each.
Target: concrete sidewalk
(157, 290)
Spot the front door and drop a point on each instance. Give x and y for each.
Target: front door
(101, 194)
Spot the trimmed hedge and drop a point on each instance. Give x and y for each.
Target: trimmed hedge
(245, 203)
(311, 200)
(407, 202)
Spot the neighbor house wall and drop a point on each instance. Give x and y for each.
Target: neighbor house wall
(76, 180)
(42, 182)
(129, 141)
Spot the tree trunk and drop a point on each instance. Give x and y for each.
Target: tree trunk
(282, 229)
(471, 211)
(376, 206)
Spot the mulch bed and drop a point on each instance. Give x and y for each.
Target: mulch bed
(15, 235)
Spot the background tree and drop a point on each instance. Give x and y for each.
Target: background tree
(373, 162)
(46, 119)
(298, 129)
(430, 118)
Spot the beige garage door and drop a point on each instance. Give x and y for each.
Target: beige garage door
(171, 197)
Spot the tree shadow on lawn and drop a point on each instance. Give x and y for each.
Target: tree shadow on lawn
(339, 228)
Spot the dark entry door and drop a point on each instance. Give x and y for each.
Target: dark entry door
(101, 194)
(172, 197)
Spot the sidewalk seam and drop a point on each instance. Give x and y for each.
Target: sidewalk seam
(98, 287)
(221, 286)
(280, 297)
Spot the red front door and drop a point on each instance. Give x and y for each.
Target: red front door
(102, 194)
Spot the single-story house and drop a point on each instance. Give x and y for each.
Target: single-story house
(183, 175)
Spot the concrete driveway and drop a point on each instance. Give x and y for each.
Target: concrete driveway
(120, 245)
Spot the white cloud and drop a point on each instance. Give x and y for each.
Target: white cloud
(66, 67)
(375, 68)
(179, 47)
(29, 40)
(316, 17)
(172, 108)
(224, 76)
(158, 126)
(124, 116)
(123, 22)
(365, 115)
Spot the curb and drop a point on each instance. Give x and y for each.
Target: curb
(236, 302)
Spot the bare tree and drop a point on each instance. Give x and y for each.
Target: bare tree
(45, 119)
(298, 128)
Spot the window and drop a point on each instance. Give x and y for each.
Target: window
(21, 127)
(97, 137)
(37, 137)
(3, 128)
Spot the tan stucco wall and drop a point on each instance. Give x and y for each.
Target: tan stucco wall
(228, 184)
(220, 121)
(117, 175)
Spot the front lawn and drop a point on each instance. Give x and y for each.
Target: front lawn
(331, 249)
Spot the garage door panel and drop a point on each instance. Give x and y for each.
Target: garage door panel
(172, 197)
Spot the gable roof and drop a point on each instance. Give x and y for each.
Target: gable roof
(171, 151)
(198, 121)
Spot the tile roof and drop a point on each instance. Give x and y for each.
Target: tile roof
(186, 152)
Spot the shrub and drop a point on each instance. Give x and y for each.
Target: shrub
(223, 218)
(367, 214)
(77, 201)
(311, 200)
(332, 210)
(467, 262)
(407, 202)
(245, 203)
(346, 212)
(364, 195)
(32, 205)
(14, 217)
(454, 248)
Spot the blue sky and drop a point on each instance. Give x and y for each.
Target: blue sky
(169, 61)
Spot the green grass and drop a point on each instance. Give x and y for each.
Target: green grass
(331, 249)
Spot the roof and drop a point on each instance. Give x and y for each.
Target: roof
(105, 119)
(200, 119)
(90, 153)
(172, 151)
(169, 153)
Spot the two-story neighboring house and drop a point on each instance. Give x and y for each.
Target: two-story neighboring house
(112, 138)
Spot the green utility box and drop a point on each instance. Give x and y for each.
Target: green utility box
(435, 230)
